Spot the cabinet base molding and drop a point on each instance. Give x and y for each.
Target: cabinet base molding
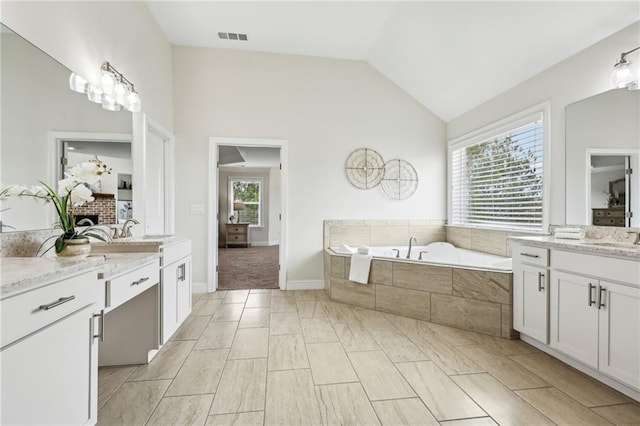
(626, 390)
(305, 285)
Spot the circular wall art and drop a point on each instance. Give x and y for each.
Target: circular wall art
(365, 168)
(400, 179)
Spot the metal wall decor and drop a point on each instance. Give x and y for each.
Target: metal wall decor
(400, 179)
(365, 168)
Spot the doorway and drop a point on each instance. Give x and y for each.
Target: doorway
(247, 220)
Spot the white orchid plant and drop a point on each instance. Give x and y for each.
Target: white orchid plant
(73, 191)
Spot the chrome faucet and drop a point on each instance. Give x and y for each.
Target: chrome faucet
(126, 228)
(397, 252)
(421, 253)
(411, 240)
(85, 220)
(637, 240)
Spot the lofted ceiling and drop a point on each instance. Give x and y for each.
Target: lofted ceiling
(450, 56)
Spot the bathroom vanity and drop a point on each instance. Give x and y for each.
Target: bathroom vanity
(580, 302)
(61, 319)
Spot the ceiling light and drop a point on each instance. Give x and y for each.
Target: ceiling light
(94, 94)
(114, 93)
(77, 83)
(622, 76)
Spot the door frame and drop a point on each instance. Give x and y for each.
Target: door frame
(214, 215)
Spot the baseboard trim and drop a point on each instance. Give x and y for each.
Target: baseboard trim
(199, 288)
(259, 244)
(305, 285)
(274, 243)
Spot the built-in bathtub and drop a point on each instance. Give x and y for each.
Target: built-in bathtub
(450, 286)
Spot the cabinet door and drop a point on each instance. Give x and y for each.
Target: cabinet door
(530, 301)
(169, 301)
(183, 289)
(620, 332)
(574, 316)
(47, 377)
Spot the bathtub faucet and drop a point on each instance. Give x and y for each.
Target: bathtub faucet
(421, 253)
(411, 240)
(397, 252)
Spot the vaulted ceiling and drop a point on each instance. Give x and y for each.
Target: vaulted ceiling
(450, 56)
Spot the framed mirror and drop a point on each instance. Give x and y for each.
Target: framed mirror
(40, 114)
(602, 160)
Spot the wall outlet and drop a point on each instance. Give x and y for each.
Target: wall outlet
(197, 208)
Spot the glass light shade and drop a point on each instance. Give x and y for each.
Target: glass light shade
(622, 76)
(121, 92)
(133, 103)
(108, 82)
(94, 94)
(77, 83)
(109, 103)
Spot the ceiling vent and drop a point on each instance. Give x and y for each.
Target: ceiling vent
(232, 36)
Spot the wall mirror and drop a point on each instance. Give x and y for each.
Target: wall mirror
(602, 160)
(41, 120)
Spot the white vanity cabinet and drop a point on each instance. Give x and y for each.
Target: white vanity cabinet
(49, 353)
(530, 291)
(595, 313)
(176, 286)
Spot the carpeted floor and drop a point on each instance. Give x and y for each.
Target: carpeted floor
(252, 267)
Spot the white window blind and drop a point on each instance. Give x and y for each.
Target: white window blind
(498, 181)
(249, 191)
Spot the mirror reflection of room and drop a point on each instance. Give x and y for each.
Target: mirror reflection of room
(609, 189)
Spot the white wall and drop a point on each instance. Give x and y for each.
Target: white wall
(274, 206)
(83, 34)
(325, 108)
(580, 76)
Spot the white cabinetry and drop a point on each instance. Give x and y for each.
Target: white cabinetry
(49, 354)
(176, 286)
(530, 291)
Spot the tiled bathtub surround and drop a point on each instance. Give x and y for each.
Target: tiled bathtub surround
(382, 232)
(483, 240)
(472, 300)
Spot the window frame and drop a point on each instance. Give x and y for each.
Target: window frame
(230, 196)
(496, 129)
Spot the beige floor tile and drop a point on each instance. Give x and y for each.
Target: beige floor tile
(340, 312)
(304, 295)
(283, 304)
(354, 337)
(236, 296)
(254, 418)
(277, 293)
(498, 401)
(191, 328)
(624, 414)
(242, 387)
(260, 291)
(560, 408)
(291, 399)
(321, 295)
(214, 295)
(133, 403)
(378, 375)
(345, 404)
(447, 357)
(284, 323)
(329, 364)
(510, 373)
(217, 335)
(408, 412)
(228, 312)
(182, 410)
(317, 330)
(250, 343)
(372, 319)
(397, 347)
(166, 363)
(478, 421)
(311, 309)
(254, 318)
(200, 373)
(287, 352)
(584, 389)
(205, 307)
(109, 380)
(195, 297)
(260, 300)
(440, 394)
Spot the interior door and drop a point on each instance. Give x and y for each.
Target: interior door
(154, 191)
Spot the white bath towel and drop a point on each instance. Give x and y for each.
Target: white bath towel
(360, 267)
(569, 235)
(343, 249)
(363, 249)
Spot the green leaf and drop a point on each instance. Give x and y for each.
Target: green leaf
(59, 243)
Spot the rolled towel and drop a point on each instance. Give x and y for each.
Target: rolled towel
(569, 235)
(345, 248)
(569, 231)
(363, 250)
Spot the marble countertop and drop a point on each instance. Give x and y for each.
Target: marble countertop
(116, 263)
(152, 242)
(19, 274)
(602, 247)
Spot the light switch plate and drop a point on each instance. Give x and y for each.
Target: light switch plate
(197, 208)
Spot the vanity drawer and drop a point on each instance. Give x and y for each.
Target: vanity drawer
(130, 284)
(175, 252)
(531, 255)
(31, 311)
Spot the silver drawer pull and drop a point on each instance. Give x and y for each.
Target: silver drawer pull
(101, 333)
(529, 255)
(540, 281)
(140, 281)
(57, 303)
(590, 300)
(601, 290)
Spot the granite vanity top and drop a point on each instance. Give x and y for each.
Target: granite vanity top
(116, 263)
(587, 246)
(150, 242)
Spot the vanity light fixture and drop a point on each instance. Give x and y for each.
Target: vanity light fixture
(622, 75)
(115, 91)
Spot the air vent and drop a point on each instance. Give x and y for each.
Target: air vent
(232, 36)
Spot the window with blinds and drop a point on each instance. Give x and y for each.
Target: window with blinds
(249, 191)
(497, 181)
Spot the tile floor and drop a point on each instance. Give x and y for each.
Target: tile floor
(296, 358)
